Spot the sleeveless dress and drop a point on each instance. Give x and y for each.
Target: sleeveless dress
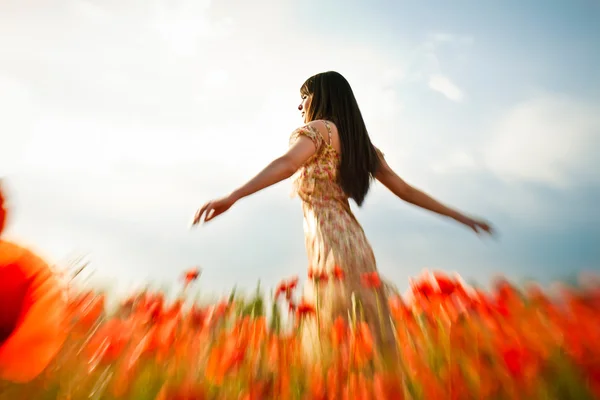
(337, 247)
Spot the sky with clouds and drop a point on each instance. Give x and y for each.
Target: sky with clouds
(118, 118)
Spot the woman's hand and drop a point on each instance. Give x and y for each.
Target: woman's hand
(478, 226)
(213, 209)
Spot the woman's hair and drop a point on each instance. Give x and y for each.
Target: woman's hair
(333, 100)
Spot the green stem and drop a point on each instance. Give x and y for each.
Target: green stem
(380, 317)
(318, 318)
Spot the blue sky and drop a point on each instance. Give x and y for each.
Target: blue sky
(119, 119)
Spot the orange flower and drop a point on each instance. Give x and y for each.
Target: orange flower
(338, 272)
(422, 286)
(197, 317)
(222, 309)
(340, 332)
(183, 391)
(234, 352)
(258, 331)
(86, 310)
(258, 390)
(164, 337)
(318, 277)
(174, 310)
(387, 386)
(513, 359)
(287, 288)
(108, 343)
(305, 309)
(2, 210)
(292, 307)
(445, 284)
(317, 384)
(371, 280)
(190, 276)
(334, 382)
(363, 343)
(33, 327)
(398, 308)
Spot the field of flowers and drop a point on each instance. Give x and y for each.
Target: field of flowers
(59, 340)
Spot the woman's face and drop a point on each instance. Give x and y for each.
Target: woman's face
(303, 107)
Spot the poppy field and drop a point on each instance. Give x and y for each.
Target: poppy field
(453, 342)
(61, 340)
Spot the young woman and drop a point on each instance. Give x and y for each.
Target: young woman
(336, 162)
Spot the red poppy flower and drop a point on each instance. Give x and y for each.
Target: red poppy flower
(191, 275)
(2, 210)
(108, 343)
(445, 284)
(340, 332)
(371, 280)
(423, 286)
(33, 326)
(287, 288)
(317, 276)
(184, 391)
(197, 316)
(305, 309)
(338, 272)
(515, 359)
(398, 307)
(363, 343)
(292, 307)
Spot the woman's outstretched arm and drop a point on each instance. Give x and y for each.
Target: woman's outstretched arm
(388, 177)
(279, 169)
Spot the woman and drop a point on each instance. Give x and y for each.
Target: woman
(336, 162)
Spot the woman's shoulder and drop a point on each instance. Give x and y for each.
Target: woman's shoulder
(313, 130)
(317, 126)
(322, 125)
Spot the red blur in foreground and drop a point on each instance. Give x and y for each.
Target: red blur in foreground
(32, 311)
(2, 210)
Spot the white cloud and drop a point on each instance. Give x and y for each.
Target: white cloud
(423, 62)
(550, 139)
(445, 86)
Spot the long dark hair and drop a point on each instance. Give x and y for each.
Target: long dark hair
(333, 100)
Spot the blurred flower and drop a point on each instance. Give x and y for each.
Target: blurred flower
(371, 280)
(362, 343)
(339, 332)
(287, 288)
(318, 276)
(33, 313)
(190, 276)
(2, 210)
(338, 272)
(305, 309)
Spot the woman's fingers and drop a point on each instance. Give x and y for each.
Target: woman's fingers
(485, 227)
(200, 212)
(210, 214)
(479, 227)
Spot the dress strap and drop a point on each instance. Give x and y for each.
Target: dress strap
(328, 131)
